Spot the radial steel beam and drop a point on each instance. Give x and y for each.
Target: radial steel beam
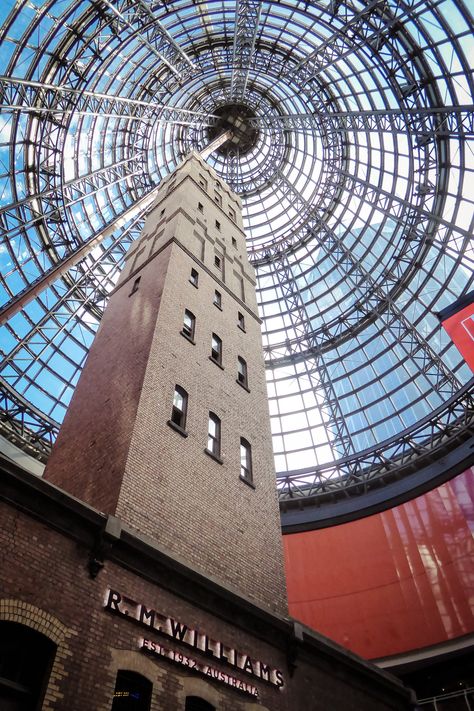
(429, 440)
(76, 183)
(425, 122)
(57, 202)
(33, 290)
(23, 93)
(354, 31)
(46, 279)
(138, 18)
(247, 19)
(373, 299)
(321, 382)
(375, 194)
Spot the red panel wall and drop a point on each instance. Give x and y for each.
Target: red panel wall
(460, 326)
(396, 581)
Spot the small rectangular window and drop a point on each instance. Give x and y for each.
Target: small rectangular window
(179, 408)
(218, 225)
(242, 372)
(245, 460)
(214, 435)
(162, 212)
(189, 324)
(216, 349)
(232, 214)
(234, 242)
(240, 287)
(200, 207)
(218, 299)
(135, 286)
(217, 262)
(218, 199)
(241, 321)
(202, 181)
(194, 278)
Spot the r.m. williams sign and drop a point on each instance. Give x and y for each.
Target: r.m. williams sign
(122, 605)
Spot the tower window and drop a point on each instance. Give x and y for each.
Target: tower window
(218, 199)
(179, 409)
(218, 299)
(242, 372)
(162, 212)
(202, 181)
(189, 324)
(234, 242)
(217, 262)
(194, 278)
(241, 321)
(216, 349)
(214, 436)
(245, 461)
(218, 225)
(232, 214)
(200, 207)
(135, 286)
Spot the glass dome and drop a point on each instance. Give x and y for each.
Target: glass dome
(354, 165)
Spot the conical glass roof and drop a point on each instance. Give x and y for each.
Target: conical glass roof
(355, 165)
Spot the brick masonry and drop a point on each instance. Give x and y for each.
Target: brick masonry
(196, 543)
(116, 451)
(45, 585)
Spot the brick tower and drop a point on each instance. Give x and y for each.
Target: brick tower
(168, 428)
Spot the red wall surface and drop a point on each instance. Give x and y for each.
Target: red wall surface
(392, 582)
(460, 326)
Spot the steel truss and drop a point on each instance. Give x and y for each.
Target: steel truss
(424, 123)
(424, 443)
(172, 87)
(247, 18)
(358, 29)
(318, 376)
(21, 95)
(137, 17)
(375, 300)
(91, 281)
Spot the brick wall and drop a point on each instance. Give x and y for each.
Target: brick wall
(115, 449)
(45, 585)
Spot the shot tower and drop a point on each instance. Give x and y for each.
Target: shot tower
(168, 428)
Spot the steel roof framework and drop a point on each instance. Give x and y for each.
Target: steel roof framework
(356, 202)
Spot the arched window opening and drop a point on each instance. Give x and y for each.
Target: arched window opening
(180, 407)
(132, 692)
(245, 460)
(189, 324)
(242, 377)
(216, 349)
(214, 435)
(26, 658)
(195, 703)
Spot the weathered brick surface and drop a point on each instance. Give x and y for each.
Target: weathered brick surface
(44, 584)
(89, 456)
(116, 450)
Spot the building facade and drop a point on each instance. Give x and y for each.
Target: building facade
(145, 570)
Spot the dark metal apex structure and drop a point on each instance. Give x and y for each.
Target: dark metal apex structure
(352, 150)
